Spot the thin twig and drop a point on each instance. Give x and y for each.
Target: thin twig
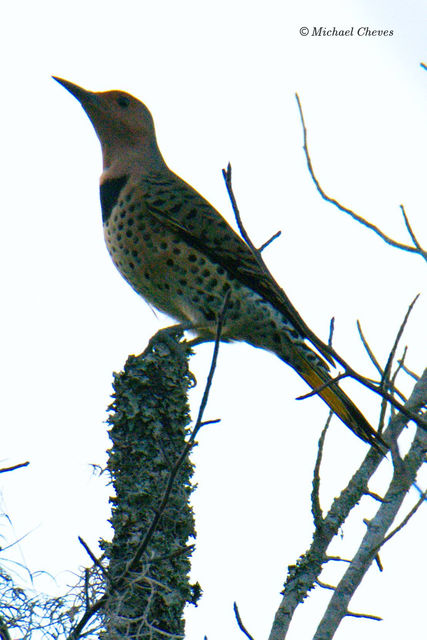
(15, 466)
(412, 234)
(410, 373)
(325, 349)
(323, 386)
(331, 331)
(376, 388)
(400, 364)
(350, 212)
(240, 623)
(400, 333)
(86, 589)
(368, 348)
(86, 617)
(325, 585)
(93, 557)
(337, 559)
(316, 508)
(405, 520)
(386, 382)
(227, 173)
(352, 614)
(266, 244)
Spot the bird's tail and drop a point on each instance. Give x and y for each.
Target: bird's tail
(316, 377)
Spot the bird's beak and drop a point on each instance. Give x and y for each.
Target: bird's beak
(86, 98)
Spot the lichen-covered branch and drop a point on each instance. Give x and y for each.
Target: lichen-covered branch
(303, 576)
(147, 591)
(404, 475)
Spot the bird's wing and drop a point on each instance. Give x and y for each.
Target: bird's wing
(184, 211)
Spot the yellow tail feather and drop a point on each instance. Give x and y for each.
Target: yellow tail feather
(339, 402)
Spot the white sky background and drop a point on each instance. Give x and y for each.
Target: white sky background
(220, 79)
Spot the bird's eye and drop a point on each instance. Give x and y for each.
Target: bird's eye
(122, 101)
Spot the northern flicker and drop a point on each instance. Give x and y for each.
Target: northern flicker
(182, 256)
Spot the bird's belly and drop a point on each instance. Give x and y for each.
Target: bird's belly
(187, 285)
(173, 277)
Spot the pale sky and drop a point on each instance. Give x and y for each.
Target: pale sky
(219, 78)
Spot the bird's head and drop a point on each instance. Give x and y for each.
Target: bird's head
(123, 125)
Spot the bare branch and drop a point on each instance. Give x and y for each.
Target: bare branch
(325, 349)
(92, 556)
(412, 234)
(336, 559)
(350, 212)
(86, 617)
(399, 335)
(410, 373)
(15, 466)
(302, 576)
(405, 520)
(403, 477)
(331, 331)
(255, 252)
(266, 244)
(368, 616)
(316, 509)
(240, 623)
(4, 631)
(368, 349)
(317, 390)
(324, 585)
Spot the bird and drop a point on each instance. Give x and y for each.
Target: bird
(181, 255)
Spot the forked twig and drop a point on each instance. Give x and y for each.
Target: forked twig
(376, 387)
(394, 243)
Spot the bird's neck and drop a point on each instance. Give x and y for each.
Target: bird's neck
(125, 160)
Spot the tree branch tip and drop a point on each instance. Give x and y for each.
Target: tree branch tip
(325, 585)
(268, 242)
(240, 623)
(329, 383)
(353, 614)
(338, 559)
(379, 563)
(227, 173)
(206, 422)
(15, 466)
